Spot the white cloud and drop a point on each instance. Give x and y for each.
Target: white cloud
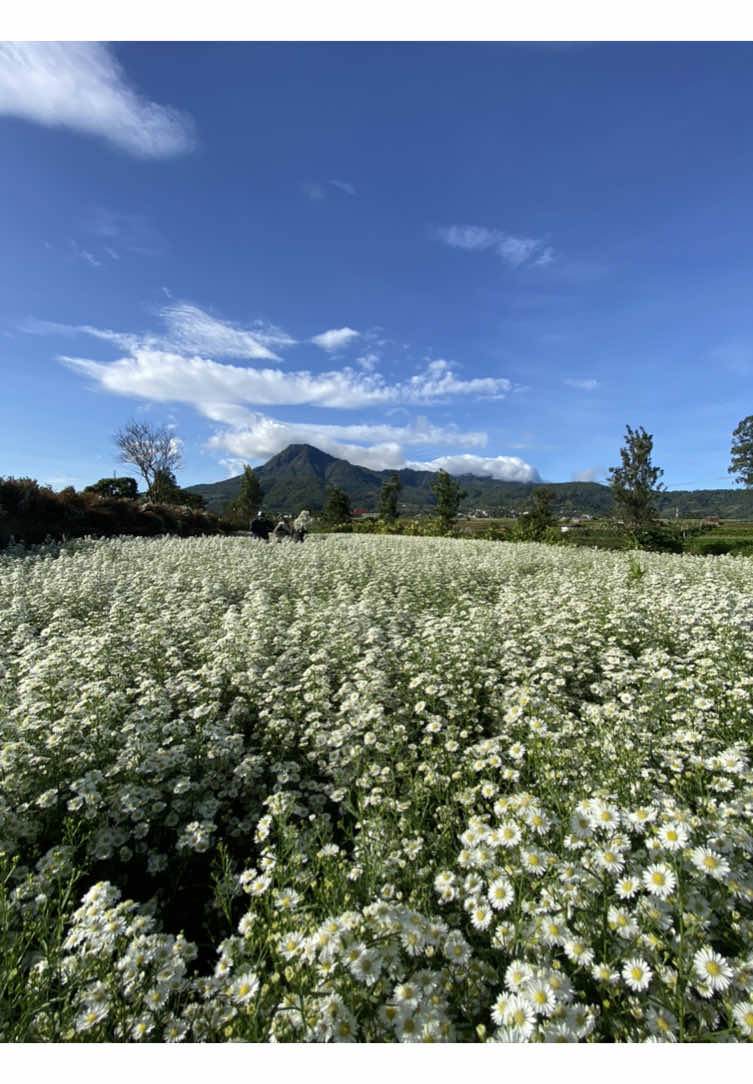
(82, 86)
(255, 426)
(173, 368)
(515, 251)
(170, 377)
(584, 385)
(261, 437)
(505, 468)
(163, 376)
(368, 361)
(591, 474)
(439, 381)
(472, 238)
(344, 186)
(335, 339)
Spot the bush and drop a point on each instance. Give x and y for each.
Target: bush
(31, 514)
(710, 547)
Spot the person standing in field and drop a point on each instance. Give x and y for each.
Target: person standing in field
(282, 530)
(301, 525)
(259, 528)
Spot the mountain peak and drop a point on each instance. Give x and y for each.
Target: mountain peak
(300, 459)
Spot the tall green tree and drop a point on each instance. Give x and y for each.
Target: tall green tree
(742, 453)
(388, 495)
(337, 508)
(248, 502)
(165, 490)
(126, 488)
(635, 484)
(532, 525)
(448, 495)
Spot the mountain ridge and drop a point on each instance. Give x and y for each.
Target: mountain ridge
(298, 477)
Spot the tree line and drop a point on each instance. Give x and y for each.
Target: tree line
(635, 484)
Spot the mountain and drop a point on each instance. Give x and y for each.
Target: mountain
(298, 476)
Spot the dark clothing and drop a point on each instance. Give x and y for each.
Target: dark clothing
(260, 529)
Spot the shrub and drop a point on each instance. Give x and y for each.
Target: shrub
(31, 514)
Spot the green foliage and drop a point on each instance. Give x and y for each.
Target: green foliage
(388, 498)
(242, 509)
(337, 510)
(537, 523)
(635, 485)
(658, 537)
(165, 490)
(741, 465)
(448, 495)
(35, 1004)
(710, 547)
(31, 514)
(636, 571)
(124, 488)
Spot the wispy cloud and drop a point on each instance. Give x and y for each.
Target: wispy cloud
(83, 254)
(514, 251)
(344, 186)
(313, 190)
(591, 474)
(189, 330)
(194, 331)
(83, 87)
(584, 385)
(131, 232)
(317, 190)
(335, 339)
(504, 468)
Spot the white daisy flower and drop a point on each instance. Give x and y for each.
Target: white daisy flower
(712, 969)
(637, 974)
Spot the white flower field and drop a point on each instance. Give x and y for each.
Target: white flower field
(374, 789)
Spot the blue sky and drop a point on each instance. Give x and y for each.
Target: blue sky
(484, 257)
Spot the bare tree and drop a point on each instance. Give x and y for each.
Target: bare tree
(152, 449)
